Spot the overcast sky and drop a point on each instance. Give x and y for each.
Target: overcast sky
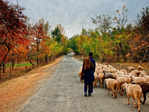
(75, 14)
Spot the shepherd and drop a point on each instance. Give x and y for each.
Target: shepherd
(88, 70)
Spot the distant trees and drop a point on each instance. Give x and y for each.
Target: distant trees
(141, 37)
(57, 33)
(103, 22)
(58, 36)
(114, 39)
(143, 20)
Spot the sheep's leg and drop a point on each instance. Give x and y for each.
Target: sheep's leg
(100, 82)
(134, 102)
(95, 83)
(108, 91)
(128, 100)
(112, 93)
(115, 93)
(115, 90)
(144, 95)
(120, 90)
(104, 83)
(138, 102)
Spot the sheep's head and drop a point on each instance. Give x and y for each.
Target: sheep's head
(124, 86)
(140, 68)
(131, 68)
(131, 78)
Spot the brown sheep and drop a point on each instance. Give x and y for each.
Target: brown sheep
(145, 90)
(122, 80)
(112, 85)
(134, 91)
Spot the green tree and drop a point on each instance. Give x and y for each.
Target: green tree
(57, 33)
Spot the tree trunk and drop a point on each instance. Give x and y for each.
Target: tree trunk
(37, 52)
(12, 64)
(0, 71)
(3, 67)
(3, 60)
(46, 58)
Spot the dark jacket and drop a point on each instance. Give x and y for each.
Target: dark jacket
(94, 64)
(88, 75)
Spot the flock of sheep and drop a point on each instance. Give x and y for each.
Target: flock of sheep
(133, 81)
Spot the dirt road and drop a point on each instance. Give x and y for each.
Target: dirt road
(63, 92)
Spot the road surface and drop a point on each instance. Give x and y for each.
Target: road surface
(63, 92)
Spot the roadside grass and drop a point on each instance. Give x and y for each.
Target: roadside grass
(19, 70)
(27, 64)
(23, 64)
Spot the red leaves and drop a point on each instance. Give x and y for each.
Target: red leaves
(13, 29)
(11, 16)
(38, 31)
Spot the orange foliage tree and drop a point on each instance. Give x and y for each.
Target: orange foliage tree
(13, 29)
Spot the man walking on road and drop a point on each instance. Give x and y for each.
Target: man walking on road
(88, 70)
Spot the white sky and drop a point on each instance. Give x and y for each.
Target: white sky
(75, 14)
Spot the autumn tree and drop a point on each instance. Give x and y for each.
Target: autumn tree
(12, 29)
(140, 46)
(39, 33)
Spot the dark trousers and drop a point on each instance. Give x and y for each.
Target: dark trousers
(88, 87)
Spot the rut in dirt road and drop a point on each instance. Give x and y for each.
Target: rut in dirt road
(63, 92)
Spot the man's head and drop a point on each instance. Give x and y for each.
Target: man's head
(90, 54)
